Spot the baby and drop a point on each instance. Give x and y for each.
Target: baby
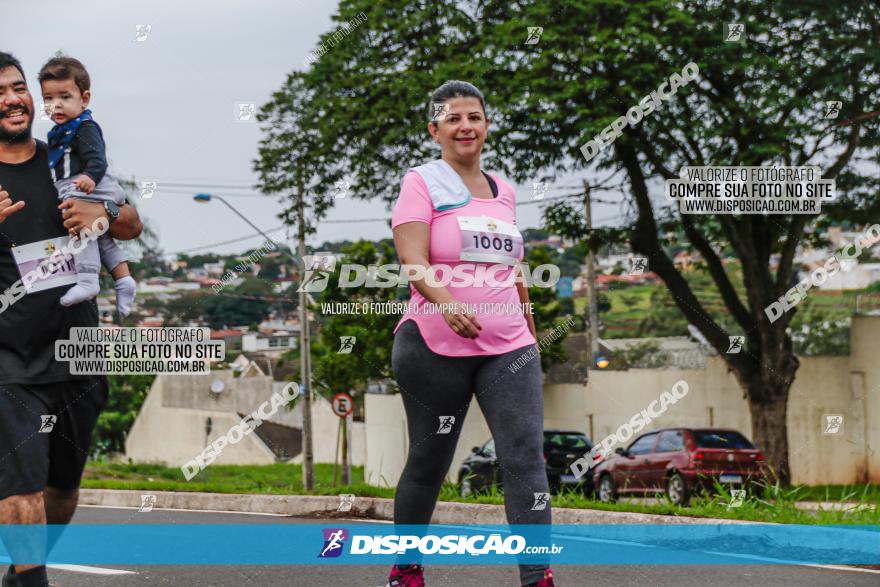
(78, 160)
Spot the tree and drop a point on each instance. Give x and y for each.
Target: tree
(370, 359)
(549, 310)
(127, 395)
(250, 302)
(271, 269)
(753, 104)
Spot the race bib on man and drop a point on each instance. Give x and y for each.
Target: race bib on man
(488, 240)
(41, 265)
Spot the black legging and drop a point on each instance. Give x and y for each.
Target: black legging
(435, 385)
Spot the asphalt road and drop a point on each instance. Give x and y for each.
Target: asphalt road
(436, 576)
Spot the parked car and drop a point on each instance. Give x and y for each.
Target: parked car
(679, 462)
(480, 470)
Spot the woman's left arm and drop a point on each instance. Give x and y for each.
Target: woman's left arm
(523, 292)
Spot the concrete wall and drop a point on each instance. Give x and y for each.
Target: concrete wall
(174, 435)
(847, 386)
(170, 427)
(325, 428)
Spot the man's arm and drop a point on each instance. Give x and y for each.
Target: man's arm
(128, 226)
(79, 215)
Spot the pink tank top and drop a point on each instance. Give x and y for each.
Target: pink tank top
(468, 236)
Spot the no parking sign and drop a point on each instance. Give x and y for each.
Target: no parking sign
(342, 404)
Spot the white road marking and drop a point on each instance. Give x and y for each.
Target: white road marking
(844, 568)
(79, 568)
(90, 570)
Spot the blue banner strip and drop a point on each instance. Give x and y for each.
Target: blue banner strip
(305, 544)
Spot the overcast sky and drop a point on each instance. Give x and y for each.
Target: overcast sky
(168, 104)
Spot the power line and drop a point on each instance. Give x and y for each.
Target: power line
(227, 242)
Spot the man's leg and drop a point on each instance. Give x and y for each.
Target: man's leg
(49, 461)
(24, 465)
(78, 405)
(23, 509)
(60, 504)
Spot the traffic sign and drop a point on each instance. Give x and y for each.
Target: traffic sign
(343, 405)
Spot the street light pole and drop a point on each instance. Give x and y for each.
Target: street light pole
(209, 197)
(308, 465)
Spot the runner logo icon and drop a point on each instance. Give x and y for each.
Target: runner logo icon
(334, 538)
(47, 423)
(318, 270)
(446, 423)
(541, 501)
(736, 344)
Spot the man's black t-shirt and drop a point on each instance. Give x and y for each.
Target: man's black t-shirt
(30, 326)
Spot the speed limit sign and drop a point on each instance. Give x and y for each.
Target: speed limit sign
(342, 404)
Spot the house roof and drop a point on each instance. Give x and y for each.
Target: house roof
(225, 333)
(285, 442)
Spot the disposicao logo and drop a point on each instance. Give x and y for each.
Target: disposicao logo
(334, 539)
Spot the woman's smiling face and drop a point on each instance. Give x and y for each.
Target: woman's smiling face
(460, 128)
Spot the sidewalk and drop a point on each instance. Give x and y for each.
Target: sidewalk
(788, 539)
(377, 508)
(802, 505)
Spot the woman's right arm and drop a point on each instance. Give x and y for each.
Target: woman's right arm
(411, 240)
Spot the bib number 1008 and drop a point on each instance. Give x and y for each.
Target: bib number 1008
(495, 242)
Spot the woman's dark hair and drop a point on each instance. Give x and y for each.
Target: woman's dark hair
(453, 89)
(7, 60)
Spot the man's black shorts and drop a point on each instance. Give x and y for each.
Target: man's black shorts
(45, 431)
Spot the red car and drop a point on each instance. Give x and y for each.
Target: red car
(680, 461)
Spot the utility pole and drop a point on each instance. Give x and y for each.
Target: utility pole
(308, 465)
(593, 309)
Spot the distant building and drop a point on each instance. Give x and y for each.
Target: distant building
(166, 286)
(196, 273)
(207, 282)
(850, 276)
(282, 285)
(278, 325)
(231, 336)
(271, 344)
(678, 352)
(215, 269)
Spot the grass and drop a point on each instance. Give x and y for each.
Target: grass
(632, 304)
(280, 479)
(778, 505)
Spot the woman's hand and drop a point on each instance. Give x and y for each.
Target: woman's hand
(462, 323)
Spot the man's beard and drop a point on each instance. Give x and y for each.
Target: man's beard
(20, 136)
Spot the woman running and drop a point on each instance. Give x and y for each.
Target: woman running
(462, 221)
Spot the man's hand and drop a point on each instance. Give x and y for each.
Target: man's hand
(79, 214)
(84, 183)
(7, 208)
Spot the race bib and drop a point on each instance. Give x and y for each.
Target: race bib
(39, 269)
(489, 240)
